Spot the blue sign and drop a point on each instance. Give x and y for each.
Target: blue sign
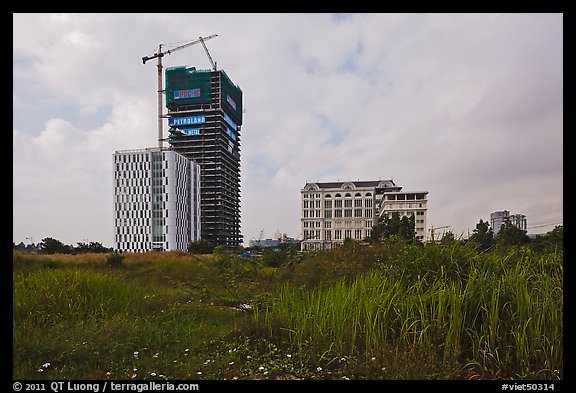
(186, 121)
(229, 121)
(190, 131)
(230, 133)
(188, 93)
(231, 101)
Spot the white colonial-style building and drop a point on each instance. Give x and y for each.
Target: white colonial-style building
(334, 211)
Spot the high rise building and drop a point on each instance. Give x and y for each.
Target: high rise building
(499, 217)
(205, 118)
(156, 200)
(334, 211)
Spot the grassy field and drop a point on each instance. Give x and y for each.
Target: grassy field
(391, 311)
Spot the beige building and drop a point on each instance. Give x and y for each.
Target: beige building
(334, 211)
(414, 203)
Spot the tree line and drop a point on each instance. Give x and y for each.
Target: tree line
(385, 228)
(50, 245)
(508, 235)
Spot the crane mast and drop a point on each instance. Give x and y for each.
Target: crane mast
(159, 54)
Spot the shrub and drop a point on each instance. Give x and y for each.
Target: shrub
(114, 259)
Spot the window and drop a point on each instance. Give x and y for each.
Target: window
(328, 204)
(347, 212)
(338, 213)
(327, 213)
(348, 203)
(357, 212)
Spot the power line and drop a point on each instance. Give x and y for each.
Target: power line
(544, 225)
(545, 213)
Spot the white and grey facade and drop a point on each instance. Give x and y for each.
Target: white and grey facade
(156, 200)
(499, 217)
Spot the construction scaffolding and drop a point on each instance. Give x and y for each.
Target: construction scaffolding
(205, 119)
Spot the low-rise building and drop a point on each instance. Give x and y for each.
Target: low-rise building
(334, 211)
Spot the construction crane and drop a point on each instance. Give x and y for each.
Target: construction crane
(160, 54)
(432, 229)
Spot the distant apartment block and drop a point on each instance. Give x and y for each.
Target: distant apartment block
(499, 217)
(334, 211)
(156, 200)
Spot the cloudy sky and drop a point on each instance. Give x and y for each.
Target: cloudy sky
(468, 107)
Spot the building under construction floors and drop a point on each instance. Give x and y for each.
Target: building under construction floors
(205, 117)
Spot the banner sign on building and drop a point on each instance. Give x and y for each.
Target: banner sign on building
(231, 101)
(230, 133)
(231, 97)
(188, 93)
(230, 121)
(189, 131)
(186, 121)
(188, 86)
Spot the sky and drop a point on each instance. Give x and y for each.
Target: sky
(468, 107)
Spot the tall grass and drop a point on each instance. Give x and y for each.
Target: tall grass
(499, 315)
(89, 321)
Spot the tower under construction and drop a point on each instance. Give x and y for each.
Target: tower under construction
(204, 119)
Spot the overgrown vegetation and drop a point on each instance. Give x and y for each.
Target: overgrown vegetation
(389, 310)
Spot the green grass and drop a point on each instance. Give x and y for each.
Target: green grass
(381, 312)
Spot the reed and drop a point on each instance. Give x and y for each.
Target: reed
(498, 314)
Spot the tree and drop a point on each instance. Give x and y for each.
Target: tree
(448, 238)
(483, 235)
(53, 246)
(511, 235)
(552, 241)
(92, 247)
(406, 229)
(201, 246)
(387, 226)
